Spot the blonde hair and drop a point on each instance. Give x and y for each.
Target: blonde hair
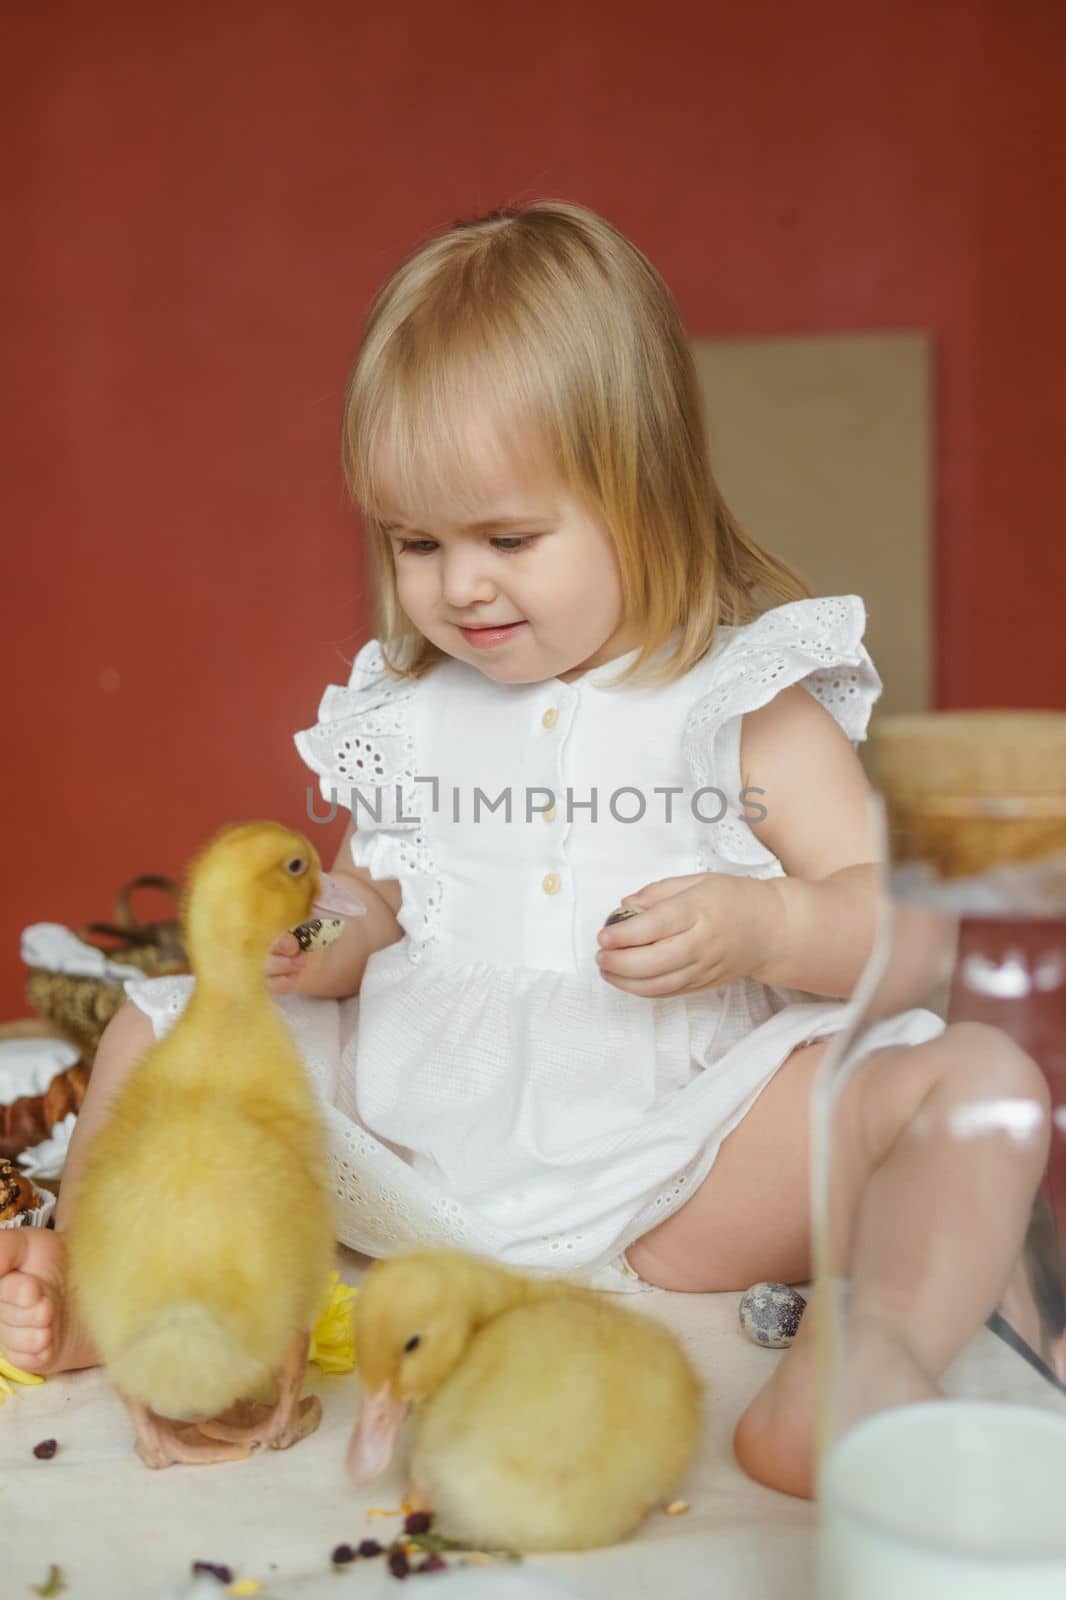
(551, 320)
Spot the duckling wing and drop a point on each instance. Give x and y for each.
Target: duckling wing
(202, 1236)
(562, 1425)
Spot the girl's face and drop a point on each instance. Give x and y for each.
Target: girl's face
(519, 553)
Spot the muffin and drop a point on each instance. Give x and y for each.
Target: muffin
(19, 1199)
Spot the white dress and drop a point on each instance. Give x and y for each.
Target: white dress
(487, 1088)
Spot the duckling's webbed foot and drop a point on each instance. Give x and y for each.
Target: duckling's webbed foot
(161, 1443)
(258, 1426)
(273, 1427)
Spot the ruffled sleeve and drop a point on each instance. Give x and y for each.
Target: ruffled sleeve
(816, 643)
(363, 750)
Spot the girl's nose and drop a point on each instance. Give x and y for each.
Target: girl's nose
(463, 582)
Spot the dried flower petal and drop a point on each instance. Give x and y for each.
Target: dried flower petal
(399, 1565)
(418, 1522)
(46, 1449)
(341, 1554)
(369, 1547)
(213, 1569)
(433, 1563)
(16, 1375)
(52, 1585)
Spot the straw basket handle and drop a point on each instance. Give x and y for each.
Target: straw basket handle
(125, 917)
(127, 928)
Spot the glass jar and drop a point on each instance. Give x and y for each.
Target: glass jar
(939, 1184)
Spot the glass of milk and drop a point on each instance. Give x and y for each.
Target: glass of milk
(940, 1305)
(947, 1500)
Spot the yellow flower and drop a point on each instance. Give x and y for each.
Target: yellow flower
(333, 1337)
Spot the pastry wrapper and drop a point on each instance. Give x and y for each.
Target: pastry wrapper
(37, 1218)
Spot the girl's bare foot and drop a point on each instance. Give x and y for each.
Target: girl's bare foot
(37, 1331)
(775, 1439)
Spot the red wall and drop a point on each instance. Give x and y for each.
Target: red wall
(200, 202)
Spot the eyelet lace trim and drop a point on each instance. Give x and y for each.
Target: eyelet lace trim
(362, 748)
(814, 642)
(380, 1205)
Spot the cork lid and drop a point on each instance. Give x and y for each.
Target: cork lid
(965, 791)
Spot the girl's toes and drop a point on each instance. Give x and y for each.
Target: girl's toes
(36, 1342)
(24, 1352)
(21, 1290)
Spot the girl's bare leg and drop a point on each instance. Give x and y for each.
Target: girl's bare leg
(38, 1331)
(925, 1289)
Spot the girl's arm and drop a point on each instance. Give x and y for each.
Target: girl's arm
(337, 971)
(820, 824)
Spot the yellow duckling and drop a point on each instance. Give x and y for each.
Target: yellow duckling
(548, 1417)
(203, 1231)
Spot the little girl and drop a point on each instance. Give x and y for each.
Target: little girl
(590, 690)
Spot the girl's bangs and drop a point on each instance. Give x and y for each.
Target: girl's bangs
(430, 447)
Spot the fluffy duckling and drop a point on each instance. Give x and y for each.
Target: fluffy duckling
(548, 1417)
(203, 1233)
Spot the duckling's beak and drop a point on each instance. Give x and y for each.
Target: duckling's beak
(374, 1435)
(335, 901)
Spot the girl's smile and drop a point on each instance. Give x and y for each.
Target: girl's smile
(484, 636)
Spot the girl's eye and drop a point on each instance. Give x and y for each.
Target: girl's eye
(507, 545)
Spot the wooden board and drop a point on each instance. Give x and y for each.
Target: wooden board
(822, 448)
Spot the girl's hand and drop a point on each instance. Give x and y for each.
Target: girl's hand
(285, 963)
(694, 931)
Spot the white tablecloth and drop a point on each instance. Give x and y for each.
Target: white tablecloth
(121, 1532)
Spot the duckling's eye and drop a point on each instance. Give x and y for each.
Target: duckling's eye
(413, 1343)
(297, 866)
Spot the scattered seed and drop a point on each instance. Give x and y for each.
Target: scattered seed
(246, 1586)
(399, 1565)
(417, 1522)
(213, 1569)
(52, 1585)
(676, 1508)
(368, 1548)
(46, 1449)
(341, 1554)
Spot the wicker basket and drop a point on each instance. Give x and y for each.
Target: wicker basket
(80, 1007)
